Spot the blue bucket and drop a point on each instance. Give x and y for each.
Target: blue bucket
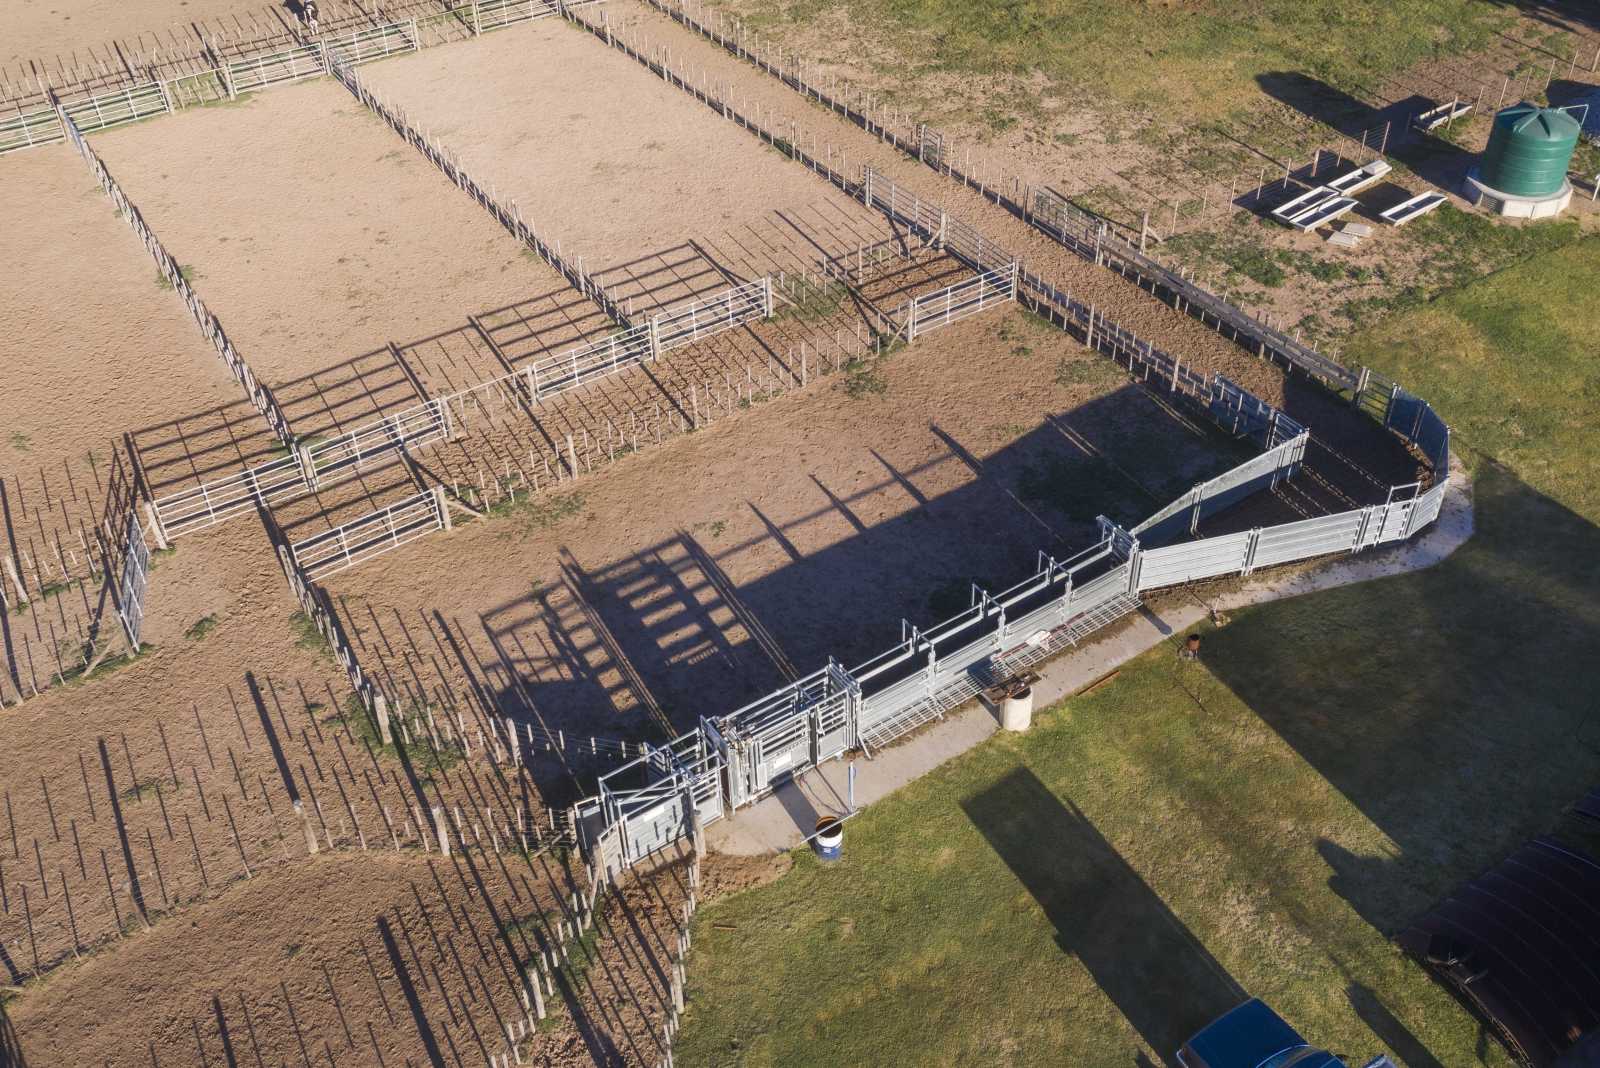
(829, 839)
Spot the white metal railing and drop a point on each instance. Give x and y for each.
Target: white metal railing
(38, 125)
(129, 104)
(278, 62)
(495, 14)
(272, 68)
(197, 507)
(374, 42)
(372, 535)
(954, 303)
(311, 467)
(134, 581)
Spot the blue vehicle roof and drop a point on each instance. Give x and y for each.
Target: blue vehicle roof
(1253, 1036)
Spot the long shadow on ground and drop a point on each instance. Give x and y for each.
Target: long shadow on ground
(1455, 706)
(1144, 959)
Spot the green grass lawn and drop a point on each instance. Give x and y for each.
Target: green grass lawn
(1188, 60)
(1091, 892)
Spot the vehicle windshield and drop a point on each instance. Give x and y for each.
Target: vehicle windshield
(1302, 1057)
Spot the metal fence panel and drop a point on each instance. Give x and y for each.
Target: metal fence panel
(1405, 414)
(372, 535)
(1309, 537)
(25, 129)
(274, 68)
(1206, 558)
(134, 581)
(957, 302)
(208, 503)
(495, 14)
(113, 109)
(375, 42)
(1433, 438)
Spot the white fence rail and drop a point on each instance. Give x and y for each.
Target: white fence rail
(272, 68)
(308, 468)
(957, 302)
(278, 62)
(134, 581)
(372, 535)
(376, 42)
(113, 109)
(26, 127)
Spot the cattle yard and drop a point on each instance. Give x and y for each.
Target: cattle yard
(496, 457)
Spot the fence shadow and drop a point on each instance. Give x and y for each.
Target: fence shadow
(11, 1055)
(667, 632)
(1394, 1034)
(1431, 157)
(1452, 706)
(1163, 981)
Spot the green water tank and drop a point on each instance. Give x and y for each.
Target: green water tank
(1529, 149)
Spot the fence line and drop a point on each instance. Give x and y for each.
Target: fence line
(311, 467)
(134, 581)
(260, 395)
(954, 303)
(508, 216)
(735, 759)
(278, 62)
(371, 535)
(930, 146)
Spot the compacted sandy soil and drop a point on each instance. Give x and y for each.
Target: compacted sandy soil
(93, 344)
(662, 198)
(319, 238)
(43, 30)
(701, 574)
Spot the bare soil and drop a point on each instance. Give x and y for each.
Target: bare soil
(319, 238)
(49, 31)
(93, 343)
(696, 577)
(663, 199)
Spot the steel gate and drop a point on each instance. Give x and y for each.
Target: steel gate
(783, 734)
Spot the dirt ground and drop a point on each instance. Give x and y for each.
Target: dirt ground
(384, 960)
(663, 199)
(319, 238)
(681, 579)
(93, 343)
(48, 31)
(696, 577)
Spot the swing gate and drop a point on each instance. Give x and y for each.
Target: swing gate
(656, 800)
(800, 726)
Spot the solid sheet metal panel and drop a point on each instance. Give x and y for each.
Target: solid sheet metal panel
(1193, 560)
(1308, 537)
